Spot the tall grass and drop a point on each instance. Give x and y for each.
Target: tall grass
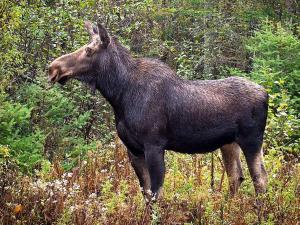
(103, 189)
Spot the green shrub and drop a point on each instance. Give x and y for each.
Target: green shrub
(276, 66)
(276, 60)
(16, 132)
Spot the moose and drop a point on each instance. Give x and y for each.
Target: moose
(156, 110)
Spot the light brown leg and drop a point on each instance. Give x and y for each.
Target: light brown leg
(231, 158)
(257, 170)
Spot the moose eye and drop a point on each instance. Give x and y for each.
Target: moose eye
(89, 51)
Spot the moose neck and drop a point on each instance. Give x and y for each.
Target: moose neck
(114, 76)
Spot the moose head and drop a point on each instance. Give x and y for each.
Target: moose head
(84, 62)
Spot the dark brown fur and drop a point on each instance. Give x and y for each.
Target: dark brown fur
(157, 110)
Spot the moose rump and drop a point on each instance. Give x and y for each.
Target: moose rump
(157, 110)
(205, 115)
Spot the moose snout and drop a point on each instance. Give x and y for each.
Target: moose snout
(53, 72)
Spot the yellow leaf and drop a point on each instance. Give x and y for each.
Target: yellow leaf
(4, 151)
(18, 208)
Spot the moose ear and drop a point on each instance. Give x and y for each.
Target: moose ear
(90, 28)
(104, 37)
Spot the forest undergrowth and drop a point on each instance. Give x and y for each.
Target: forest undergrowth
(103, 189)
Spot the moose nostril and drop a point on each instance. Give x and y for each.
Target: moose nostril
(52, 78)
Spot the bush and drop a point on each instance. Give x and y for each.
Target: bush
(276, 60)
(25, 143)
(276, 66)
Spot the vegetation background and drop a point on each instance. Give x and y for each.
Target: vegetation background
(60, 159)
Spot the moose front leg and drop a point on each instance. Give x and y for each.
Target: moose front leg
(139, 165)
(154, 157)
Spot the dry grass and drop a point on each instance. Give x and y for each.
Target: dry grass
(103, 189)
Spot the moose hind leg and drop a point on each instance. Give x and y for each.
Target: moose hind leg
(232, 163)
(139, 165)
(254, 157)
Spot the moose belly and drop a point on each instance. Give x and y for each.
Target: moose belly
(201, 141)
